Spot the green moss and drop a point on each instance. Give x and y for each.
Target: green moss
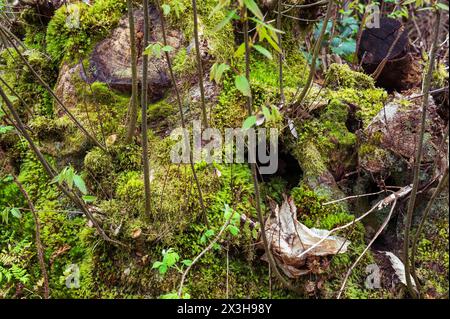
(440, 76)
(87, 25)
(368, 101)
(341, 76)
(24, 83)
(313, 213)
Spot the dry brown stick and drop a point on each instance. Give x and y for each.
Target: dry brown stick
(442, 184)
(418, 155)
(199, 64)
(134, 82)
(358, 36)
(297, 102)
(352, 197)
(347, 275)
(280, 57)
(378, 206)
(144, 88)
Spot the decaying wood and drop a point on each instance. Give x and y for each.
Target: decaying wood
(389, 45)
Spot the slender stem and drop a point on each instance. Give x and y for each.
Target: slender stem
(271, 259)
(144, 88)
(418, 157)
(280, 56)
(349, 271)
(47, 87)
(183, 122)
(442, 184)
(39, 246)
(316, 51)
(132, 112)
(199, 65)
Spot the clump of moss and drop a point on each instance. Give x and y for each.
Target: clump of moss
(341, 76)
(76, 27)
(313, 213)
(22, 80)
(440, 76)
(369, 102)
(45, 128)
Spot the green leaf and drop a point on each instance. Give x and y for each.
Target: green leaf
(79, 183)
(233, 230)
(242, 85)
(442, 6)
(212, 72)
(89, 198)
(172, 295)
(187, 262)
(166, 9)
(15, 212)
(263, 35)
(267, 25)
(253, 7)
(162, 269)
(6, 129)
(263, 51)
(220, 70)
(167, 48)
(266, 112)
(156, 264)
(68, 177)
(224, 22)
(249, 122)
(170, 259)
(240, 51)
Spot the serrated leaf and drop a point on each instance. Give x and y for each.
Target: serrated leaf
(15, 212)
(79, 183)
(242, 85)
(263, 51)
(249, 122)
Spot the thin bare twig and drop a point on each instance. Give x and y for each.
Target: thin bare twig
(347, 275)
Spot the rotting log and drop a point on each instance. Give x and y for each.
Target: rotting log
(389, 42)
